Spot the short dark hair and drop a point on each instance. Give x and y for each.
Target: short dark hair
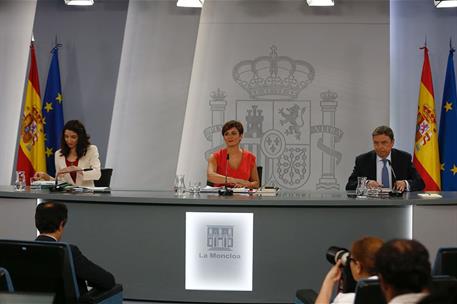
(49, 215)
(383, 130)
(404, 265)
(83, 138)
(232, 124)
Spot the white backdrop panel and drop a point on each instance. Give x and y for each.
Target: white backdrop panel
(305, 136)
(16, 22)
(151, 94)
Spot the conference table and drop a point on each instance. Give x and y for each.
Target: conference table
(162, 247)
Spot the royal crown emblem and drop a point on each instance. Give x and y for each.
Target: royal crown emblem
(273, 76)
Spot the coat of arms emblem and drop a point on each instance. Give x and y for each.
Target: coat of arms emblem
(278, 122)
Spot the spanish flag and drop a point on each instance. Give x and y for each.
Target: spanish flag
(426, 155)
(31, 157)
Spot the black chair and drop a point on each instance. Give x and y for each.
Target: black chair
(47, 267)
(105, 178)
(369, 291)
(305, 296)
(446, 262)
(442, 283)
(5, 281)
(260, 171)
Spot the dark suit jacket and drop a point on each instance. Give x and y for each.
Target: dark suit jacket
(365, 165)
(86, 270)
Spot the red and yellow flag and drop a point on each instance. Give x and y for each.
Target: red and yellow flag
(426, 155)
(31, 157)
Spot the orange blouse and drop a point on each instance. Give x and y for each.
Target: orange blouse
(242, 172)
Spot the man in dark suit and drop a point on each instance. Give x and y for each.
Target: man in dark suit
(384, 166)
(50, 220)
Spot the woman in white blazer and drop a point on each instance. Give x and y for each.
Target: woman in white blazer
(75, 157)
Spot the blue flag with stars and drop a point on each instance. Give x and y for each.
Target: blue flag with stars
(448, 129)
(53, 112)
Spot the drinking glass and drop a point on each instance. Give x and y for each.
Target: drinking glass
(197, 187)
(194, 187)
(20, 181)
(361, 189)
(180, 186)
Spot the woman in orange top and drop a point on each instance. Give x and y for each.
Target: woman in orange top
(241, 169)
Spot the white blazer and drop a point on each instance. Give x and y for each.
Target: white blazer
(90, 160)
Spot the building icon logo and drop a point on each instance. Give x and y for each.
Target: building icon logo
(219, 237)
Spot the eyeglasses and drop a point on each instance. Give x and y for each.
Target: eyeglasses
(351, 259)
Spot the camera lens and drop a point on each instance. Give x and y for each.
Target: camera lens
(337, 253)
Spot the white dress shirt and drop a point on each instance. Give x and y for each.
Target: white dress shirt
(408, 298)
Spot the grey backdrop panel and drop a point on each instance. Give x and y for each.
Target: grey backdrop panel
(89, 59)
(144, 246)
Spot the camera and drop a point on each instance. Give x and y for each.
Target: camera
(337, 253)
(347, 282)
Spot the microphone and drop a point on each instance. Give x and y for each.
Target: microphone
(57, 188)
(226, 191)
(394, 191)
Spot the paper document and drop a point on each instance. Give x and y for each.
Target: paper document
(429, 195)
(45, 183)
(41, 184)
(98, 189)
(209, 189)
(270, 191)
(243, 190)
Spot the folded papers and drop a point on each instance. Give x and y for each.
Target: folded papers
(429, 195)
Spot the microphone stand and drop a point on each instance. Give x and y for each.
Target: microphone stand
(56, 187)
(226, 191)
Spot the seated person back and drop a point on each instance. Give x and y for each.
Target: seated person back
(404, 271)
(50, 220)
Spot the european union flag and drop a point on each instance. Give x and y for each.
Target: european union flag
(53, 112)
(448, 130)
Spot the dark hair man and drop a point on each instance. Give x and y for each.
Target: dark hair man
(50, 220)
(404, 271)
(384, 166)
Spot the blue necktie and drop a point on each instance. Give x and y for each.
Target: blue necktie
(385, 175)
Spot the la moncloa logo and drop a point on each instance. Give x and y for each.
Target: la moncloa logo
(219, 237)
